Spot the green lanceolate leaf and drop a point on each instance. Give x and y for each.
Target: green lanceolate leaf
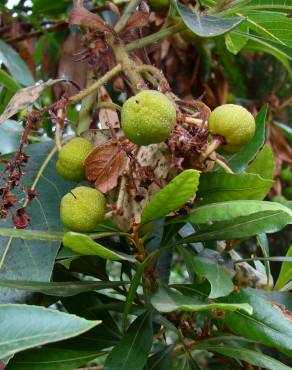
(235, 42)
(219, 187)
(17, 256)
(175, 194)
(247, 355)
(168, 300)
(132, 351)
(226, 211)
(60, 289)
(15, 64)
(263, 165)
(241, 227)
(10, 134)
(7, 81)
(51, 358)
(286, 130)
(210, 269)
(285, 273)
(266, 325)
(205, 25)
(23, 327)
(83, 244)
(238, 161)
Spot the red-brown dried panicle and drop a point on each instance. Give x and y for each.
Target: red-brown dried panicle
(106, 163)
(21, 218)
(82, 17)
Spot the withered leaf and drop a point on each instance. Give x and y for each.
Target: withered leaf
(105, 164)
(82, 17)
(25, 97)
(137, 20)
(107, 117)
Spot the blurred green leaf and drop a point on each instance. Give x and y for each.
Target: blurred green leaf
(267, 324)
(10, 134)
(51, 358)
(235, 42)
(7, 81)
(132, 351)
(15, 65)
(208, 268)
(205, 25)
(83, 244)
(238, 161)
(241, 227)
(38, 325)
(263, 164)
(61, 289)
(285, 274)
(218, 187)
(168, 300)
(287, 130)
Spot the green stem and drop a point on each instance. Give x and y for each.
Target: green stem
(128, 65)
(107, 105)
(96, 85)
(31, 234)
(156, 36)
(132, 5)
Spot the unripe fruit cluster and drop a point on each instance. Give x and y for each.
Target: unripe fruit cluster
(82, 209)
(234, 123)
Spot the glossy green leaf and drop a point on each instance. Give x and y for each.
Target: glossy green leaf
(285, 274)
(241, 227)
(160, 360)
(205, 267)
(132, 351)
(83, 244)
(7, 81)
(266, 325)
(205, 25)
(264, 245)
(10, 134)
(220, 187)
(247, 355)
(235, 42)
(22, 259)
(168, 300)
(225, 211)
(15, 64)
(38, 326)
(176, 193)
(61, 289)
(263, 164)
(51, 358)
(238, 161)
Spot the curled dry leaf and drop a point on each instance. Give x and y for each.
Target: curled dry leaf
(82, 17)
(107, 117)
(24, 98)
(137, 20)
(106, 163)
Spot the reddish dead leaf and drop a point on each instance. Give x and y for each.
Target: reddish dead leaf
(137, 20)
(82, 17)
(105, 164)
(107, 117)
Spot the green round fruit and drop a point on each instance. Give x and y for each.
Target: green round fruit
(288, 193)
(82, 209)
(148, 117)
(158, 4)
(286, 174)
(234, 123)
(70, 163)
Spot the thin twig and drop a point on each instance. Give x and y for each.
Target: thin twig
(58, 130)
(193, 121)
(223, 165)
(132, 5)
(96, 85)
(107, 105)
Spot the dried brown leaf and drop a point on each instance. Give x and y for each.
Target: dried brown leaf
(137, 20)
(105, 164)
(107, 117)
(82, 17)
(24, 98)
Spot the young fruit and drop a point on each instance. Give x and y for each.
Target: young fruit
(82, 209)
(148, 117)
(234, 123)
(70, 163)
(286, 174)
(158, 4)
